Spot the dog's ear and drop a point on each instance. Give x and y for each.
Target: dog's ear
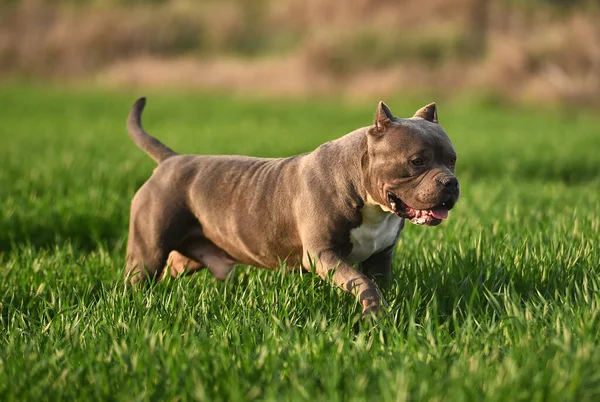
(428, 113)
(383, 118)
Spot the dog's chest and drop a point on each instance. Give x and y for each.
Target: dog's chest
(378, 230)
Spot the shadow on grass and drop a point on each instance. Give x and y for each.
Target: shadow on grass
(85, 232)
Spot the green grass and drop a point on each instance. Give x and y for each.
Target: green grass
(501, 302)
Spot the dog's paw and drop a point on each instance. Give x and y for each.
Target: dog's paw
(372, 312)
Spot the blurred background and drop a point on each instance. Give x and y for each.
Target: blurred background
(522, 50)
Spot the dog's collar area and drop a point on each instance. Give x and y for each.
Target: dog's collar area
(429, 217)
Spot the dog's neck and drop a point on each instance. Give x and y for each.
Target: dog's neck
(352, 154)
(369, 186)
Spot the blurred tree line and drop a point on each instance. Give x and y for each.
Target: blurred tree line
(512, 40)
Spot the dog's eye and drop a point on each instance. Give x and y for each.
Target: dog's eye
(453, 161)
(417, 162)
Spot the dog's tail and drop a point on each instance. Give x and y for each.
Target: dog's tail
(153, 147)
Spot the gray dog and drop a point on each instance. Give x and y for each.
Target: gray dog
(344, 203)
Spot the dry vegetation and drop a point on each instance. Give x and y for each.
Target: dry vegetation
(526, 50)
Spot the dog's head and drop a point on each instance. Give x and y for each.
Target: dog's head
(409, 166)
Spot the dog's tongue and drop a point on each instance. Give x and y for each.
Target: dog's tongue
(440, 212)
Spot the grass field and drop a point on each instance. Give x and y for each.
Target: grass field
(501, 302)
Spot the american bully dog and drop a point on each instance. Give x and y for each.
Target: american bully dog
(340, 206)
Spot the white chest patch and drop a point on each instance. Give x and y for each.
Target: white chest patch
(379, 229)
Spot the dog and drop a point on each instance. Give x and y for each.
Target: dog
(344, 204)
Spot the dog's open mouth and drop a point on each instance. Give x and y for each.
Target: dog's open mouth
(430, 217)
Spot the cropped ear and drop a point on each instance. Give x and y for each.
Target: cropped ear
(428, 113)
(383, 118)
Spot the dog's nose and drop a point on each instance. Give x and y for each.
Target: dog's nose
(451, 183)
(449, 203)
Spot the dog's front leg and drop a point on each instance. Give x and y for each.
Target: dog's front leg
(378, 267)
(347, 278)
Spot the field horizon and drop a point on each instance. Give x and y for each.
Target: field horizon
(501, 302)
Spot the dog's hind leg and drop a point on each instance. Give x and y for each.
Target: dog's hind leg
(154, 231)
(198, 252)
(179, 264)
(145, 258)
